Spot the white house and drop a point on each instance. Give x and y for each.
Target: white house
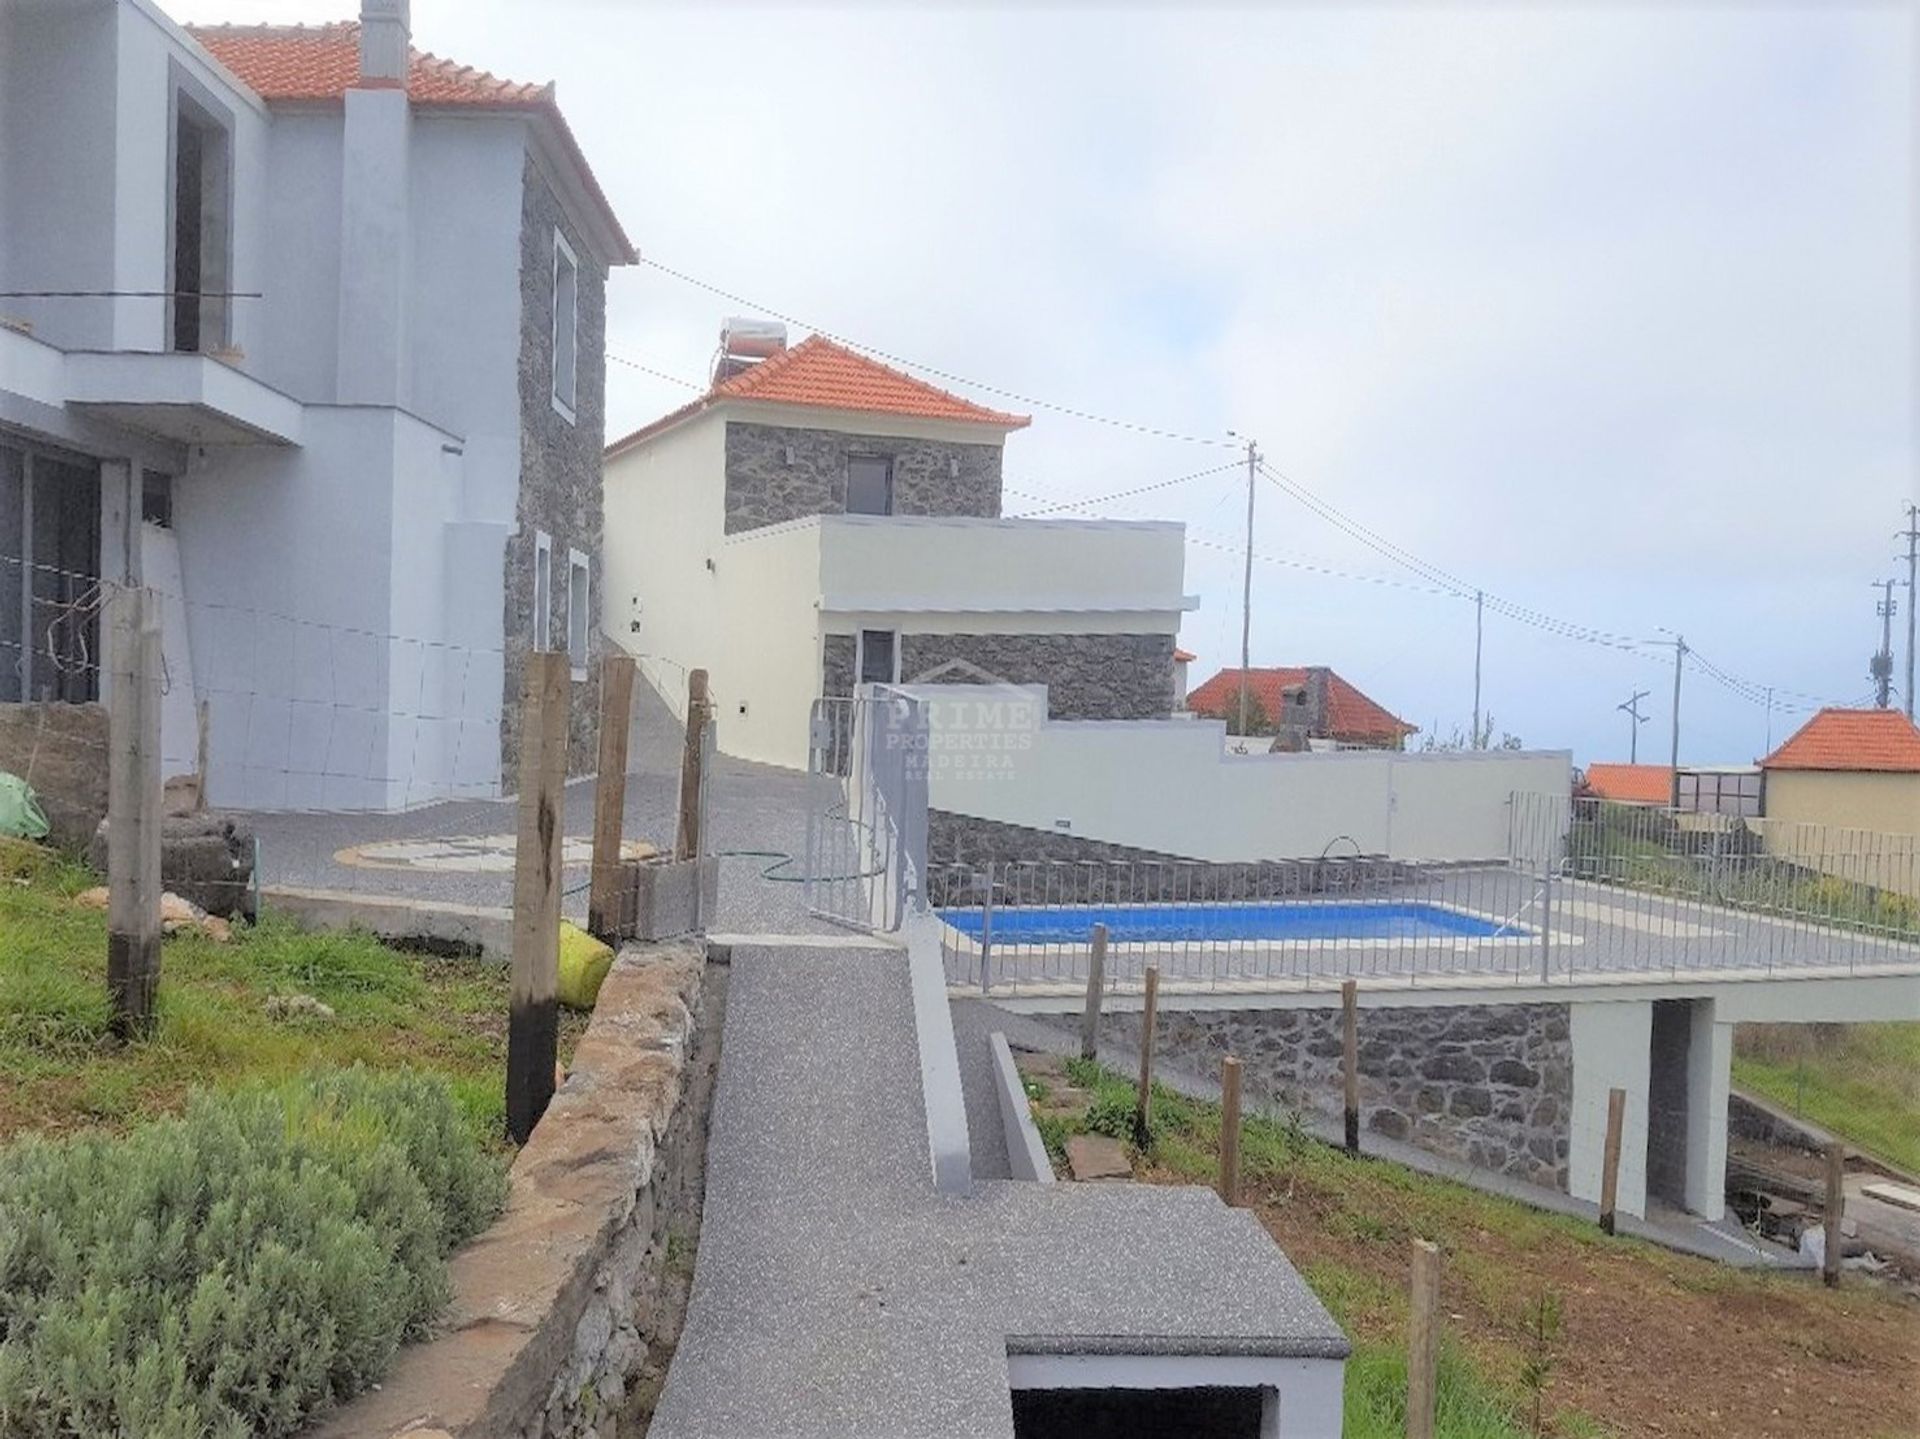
(304, 329)
(817, 519)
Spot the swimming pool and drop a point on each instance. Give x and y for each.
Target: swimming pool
(1161, 923)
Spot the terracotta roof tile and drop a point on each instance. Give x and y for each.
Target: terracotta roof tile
(1350, 714)
(1843, 739)
(1184, 657)
(1632, 783)
(821, 373)
(316, 64)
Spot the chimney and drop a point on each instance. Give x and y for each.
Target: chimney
(385, 29)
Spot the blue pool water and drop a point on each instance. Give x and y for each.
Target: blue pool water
(1145, 923)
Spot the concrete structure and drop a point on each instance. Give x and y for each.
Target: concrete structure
(996, 756)
(304, 328)
(817, 520)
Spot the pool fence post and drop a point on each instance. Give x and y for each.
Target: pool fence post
(1096, 982)
(1546, 921)
(1350, 1059)
(1230, 1131)
(1836, 1207)
(986, 934)
(1610, 1158)
(1143, 1105)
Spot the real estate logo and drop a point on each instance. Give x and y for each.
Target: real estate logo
(979, 724)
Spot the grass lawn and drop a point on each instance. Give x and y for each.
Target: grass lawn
(59, 1069)
(1646, 1341)
(1861, 1081)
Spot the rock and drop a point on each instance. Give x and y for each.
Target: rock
(95, 898)
(1457, 1067)
(1389, 1122)
(1470, 1101)
(297, 1006)
(204, 858)
(1097, 1156)
(1512, 1071)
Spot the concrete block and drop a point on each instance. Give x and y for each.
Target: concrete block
(666, 898)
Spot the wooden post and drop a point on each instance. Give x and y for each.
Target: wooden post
(1143, 1106)
(687, 845)
(1350, 1059)
(1610, 1157)
(1096, 982)
(133, 815)
(1230, 1130)
(604, 899)
(1423, 1341)
(533, 1022)
(1836, 1207)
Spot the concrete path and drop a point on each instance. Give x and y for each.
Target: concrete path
(837, 1293)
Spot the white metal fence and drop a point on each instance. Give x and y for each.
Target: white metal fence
(866, 854)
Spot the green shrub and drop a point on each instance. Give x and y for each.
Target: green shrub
(235, 1270)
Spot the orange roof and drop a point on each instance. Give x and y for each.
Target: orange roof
(1184, 657)
(820, 373)
(1839, 739)
(1632, 783)
(1350, 714)
(316, 64)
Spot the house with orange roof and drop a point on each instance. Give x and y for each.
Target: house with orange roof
(302, 330)
(1839, 788)
(817, 519)
(1304, 707)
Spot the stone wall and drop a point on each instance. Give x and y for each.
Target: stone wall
(557, 1305)
(1488, 1084)
(837, 654)
(777, 473)
(1088, 677)
(560, 485)
(61, 751)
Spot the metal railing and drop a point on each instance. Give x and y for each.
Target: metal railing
(865, 856)
(1584, 892)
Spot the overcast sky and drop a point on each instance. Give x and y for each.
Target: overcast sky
(1607, 310)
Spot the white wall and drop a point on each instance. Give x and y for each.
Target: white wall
(1169, 785)
(1612, 1049)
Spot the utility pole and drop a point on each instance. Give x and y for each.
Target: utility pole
(1479, 608)
(1911, 534)
(1246, 589)
(1880, 670)
(1679, 664)
(1632, 709)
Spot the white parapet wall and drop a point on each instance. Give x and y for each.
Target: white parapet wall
(1171, 786)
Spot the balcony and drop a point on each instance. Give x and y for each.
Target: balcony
(877, 564)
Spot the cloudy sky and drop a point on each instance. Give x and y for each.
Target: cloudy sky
(1604, 310)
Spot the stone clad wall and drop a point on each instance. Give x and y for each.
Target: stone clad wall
(557, 1306)
(1088, 677)
(1488, 1084)
(61, 751)
(777, 473)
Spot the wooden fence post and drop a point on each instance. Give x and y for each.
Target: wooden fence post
(1423, 1341)
(133, 814)
(1096, 982)
(605, 897)
(1350, 1060)
(1230, 1131)
(533, 1021)
(1143, 1106)
(1836, 1208)
(687, 844)
(1610, 1157)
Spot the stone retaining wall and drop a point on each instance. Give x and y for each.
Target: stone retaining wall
(61, 751)
(554, 1306)
(1488, 1084)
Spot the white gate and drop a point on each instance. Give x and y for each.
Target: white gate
(867, 849)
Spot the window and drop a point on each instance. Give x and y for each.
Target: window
(579, 611)
(869, 485)
(566, 324)
(542, 590)
(200, 238)
(879, 662)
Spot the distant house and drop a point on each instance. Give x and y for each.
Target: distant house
(1181, 659)
(1630, 783)
(1732, 790)
(818, 520)
(1305, 707)
(301, 329)
(1853, 769)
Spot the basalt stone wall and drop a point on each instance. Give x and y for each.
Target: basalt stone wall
(560, 478)
(1088, 677)
(777, 473)
(836, 666)
(1488, 1084)
(1037, 866)
(61, 751)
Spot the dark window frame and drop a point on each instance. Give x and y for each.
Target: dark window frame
(210, 320)
(885, 462)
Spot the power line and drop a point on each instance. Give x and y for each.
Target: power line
(657, 374)
(1128, 494)
(1070, 411)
